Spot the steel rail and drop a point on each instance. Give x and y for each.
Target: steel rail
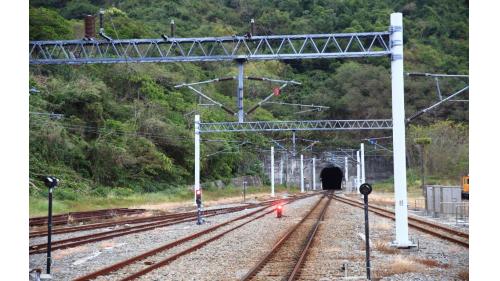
(182, 215)
(85, 239)
(434, 229)
(83, 216)
(300, 263)
(122, 264)
(267, 257)
(81, 240)
(189, 250)
(419, 220)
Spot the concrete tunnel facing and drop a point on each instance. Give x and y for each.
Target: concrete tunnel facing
(331, 178)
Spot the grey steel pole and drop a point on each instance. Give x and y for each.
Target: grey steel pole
(422, 169)
(272, 171)
(49, 233)
(239, 93)
(367, 238)
(366, 189)
(244, 191)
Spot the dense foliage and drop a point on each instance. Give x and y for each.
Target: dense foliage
(126, 125)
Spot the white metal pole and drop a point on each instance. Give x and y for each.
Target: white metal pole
(358, 172)
(301, 173)
(281, 169)
(398, 131)
(272, 171)
(196, 154)
(346, 172)
(314, 173)
(363, 179)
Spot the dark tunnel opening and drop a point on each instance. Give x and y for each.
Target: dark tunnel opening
(331, 178)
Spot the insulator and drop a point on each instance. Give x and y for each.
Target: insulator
(101, 19)
(172, 28)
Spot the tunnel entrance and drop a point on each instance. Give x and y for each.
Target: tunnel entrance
(331, 178)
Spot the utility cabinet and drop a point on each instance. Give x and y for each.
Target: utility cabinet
(443, 199)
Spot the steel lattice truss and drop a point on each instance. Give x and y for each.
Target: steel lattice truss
(305, 125)
(280, 47)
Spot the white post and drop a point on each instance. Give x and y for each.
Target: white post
(314, 173)
(272, 171)
(358, 175)
(346, 172)
(363, 179)
(196, 154)
(301, 173)
(281, 169)
(398, 131)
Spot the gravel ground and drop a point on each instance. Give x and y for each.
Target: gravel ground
(230, 257)
(73, 262)
(339, 242)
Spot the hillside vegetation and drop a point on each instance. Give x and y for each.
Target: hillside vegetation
(126, 129)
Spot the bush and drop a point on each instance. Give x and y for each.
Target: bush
(78, 9)
(65, 194)
(46, 24)
(122, 192)
(101, 191)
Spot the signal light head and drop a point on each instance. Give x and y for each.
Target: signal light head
(198, 192)
(279, 211)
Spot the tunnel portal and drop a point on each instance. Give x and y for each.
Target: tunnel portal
(331, 178)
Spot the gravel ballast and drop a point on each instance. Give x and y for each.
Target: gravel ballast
(338, 245)
(232, 256)
(73, 262)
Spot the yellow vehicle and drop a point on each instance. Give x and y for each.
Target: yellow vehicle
(465, 187)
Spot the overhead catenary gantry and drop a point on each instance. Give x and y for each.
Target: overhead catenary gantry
(257, 48)
(299, 125)
(205, 49)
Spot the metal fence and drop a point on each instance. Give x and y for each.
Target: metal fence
(417, 204)
(462, 213)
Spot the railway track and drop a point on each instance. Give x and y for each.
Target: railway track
(285, 260)
(438, 230)
(76, 217)
(142, 264)
(62, 230)
(109, 234)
